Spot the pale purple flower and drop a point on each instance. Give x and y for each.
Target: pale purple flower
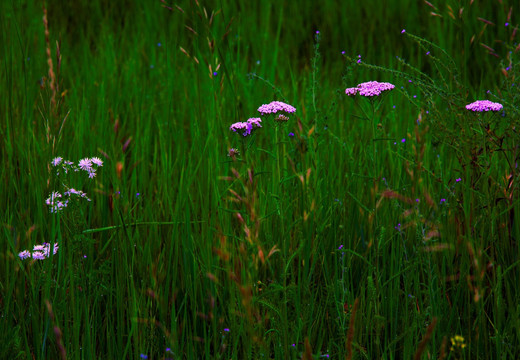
(40, 247)
(73, 191)
(97, 161)
(403, 31)
(40, 252)
(484, 105)
(275, 107)
(256, 122)
(369, 89)
(24, 254)
(38, 255)
(55, 204)
(56, 161)
(85, 164)
(457, 180)
(239, 126)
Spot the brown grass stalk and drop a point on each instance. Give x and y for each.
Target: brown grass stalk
(52, 75)
(351, 329)
(426, 339)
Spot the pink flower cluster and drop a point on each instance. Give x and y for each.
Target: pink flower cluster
(369, 89)
(57, 201)
(484, 105)
(85, 164)
(39, 252)
(247, 126)
(57, 204)
(275, 107)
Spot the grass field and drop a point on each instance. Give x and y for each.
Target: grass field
(357, 227)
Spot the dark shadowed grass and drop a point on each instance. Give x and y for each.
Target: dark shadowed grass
(352, 238)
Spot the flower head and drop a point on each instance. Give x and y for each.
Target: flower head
(281, 118)
(457, 343)
(96, 161)
(85, 164)
(247, 126)
(239, 126)
(40, 252)
(369, 89)
(24, 254)
(256, 122)
(233, 152)
(276, 107)
(484, 105)
(56, 161)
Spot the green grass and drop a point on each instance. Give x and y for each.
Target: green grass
(350, 239)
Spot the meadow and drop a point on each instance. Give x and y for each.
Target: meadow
(144, 217)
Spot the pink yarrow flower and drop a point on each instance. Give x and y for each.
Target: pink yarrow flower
(484, 105)
(247, 126)
(369, 89)
(276, 107)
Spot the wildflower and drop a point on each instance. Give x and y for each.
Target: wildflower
(233, 152)
(276, 107)
(369, 89)
(97, 161)
(56, 161)
(403, 31)
(38, 255)
(85, 164)
(457, 343)
(255, 122)
(291, 134)
(281, 118)
(457, 180)
(24, 254)
(55, 204)
(484, 105)
(40, 252)
(242, 126)
(73, 191)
